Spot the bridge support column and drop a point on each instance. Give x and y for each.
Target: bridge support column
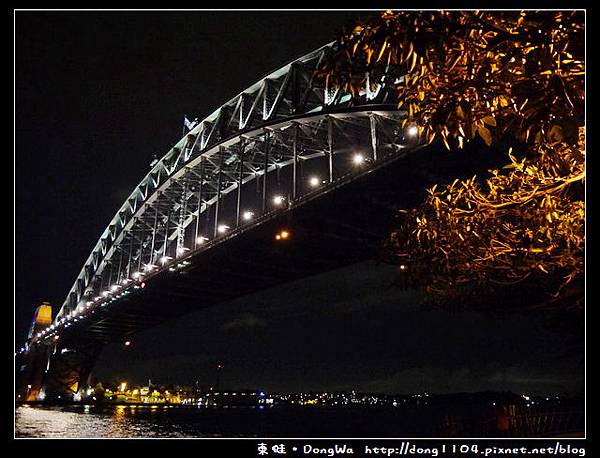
(219, 185)
(330, 147)
(373, 125)
(267, 147)
(55, 372)
(295, 163)
(239, 184)
(69, 369)
(30, 372)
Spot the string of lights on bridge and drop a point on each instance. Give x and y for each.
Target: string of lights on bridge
(138, 279)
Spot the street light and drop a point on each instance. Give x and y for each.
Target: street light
(314, 182)
(200, 240)
(222, 228)
(247, 215)
(358, 159)
(278, 200)
(412, 131)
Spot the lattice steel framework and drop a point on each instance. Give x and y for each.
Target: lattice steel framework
(223, 174)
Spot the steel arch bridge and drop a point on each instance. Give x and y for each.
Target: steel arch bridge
(250, 157)
(280, 143)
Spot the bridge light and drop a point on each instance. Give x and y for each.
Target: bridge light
(181, 250)
(247, 216)
(278, 200)
(282, 235)
(412, 131)
(165, 259)
(222, 228)
(358, 159)
(200, 240)
(314, 182)
(149, 267)
(137, 275)
(105, 293)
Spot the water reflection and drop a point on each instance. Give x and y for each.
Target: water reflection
(90, 421)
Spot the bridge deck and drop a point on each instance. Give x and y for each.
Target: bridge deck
(342, 226)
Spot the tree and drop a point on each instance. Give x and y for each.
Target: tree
(504, 78)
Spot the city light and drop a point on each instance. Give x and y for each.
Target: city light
(247, 216)
(123, 386)
(314, 182)
(412, 131)
(127, 343)
(403, 267)
(358, 159)
(278, 200)
(222, 228)
(283, 235)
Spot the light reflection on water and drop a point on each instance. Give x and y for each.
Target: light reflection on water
(92, 422)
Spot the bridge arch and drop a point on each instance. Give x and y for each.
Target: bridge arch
(221, 176)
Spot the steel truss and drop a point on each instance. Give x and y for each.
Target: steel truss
(263, 141)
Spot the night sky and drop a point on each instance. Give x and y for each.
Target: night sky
(98, 94)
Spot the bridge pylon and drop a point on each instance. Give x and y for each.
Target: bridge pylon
(55, 370)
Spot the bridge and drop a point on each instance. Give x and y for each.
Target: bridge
(283, 181)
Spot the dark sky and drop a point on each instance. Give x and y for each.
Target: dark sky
(98, 94)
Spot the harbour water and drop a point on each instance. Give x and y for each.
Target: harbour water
(79, 421)
(171, 421)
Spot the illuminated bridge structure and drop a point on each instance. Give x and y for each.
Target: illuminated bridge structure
(283, 181)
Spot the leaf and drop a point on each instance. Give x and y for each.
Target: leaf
(413, 62)
(485, 134)
(382, 50)
(555, 134)
(489, 120)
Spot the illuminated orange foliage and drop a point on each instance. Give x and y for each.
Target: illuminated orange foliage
(513, 76)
